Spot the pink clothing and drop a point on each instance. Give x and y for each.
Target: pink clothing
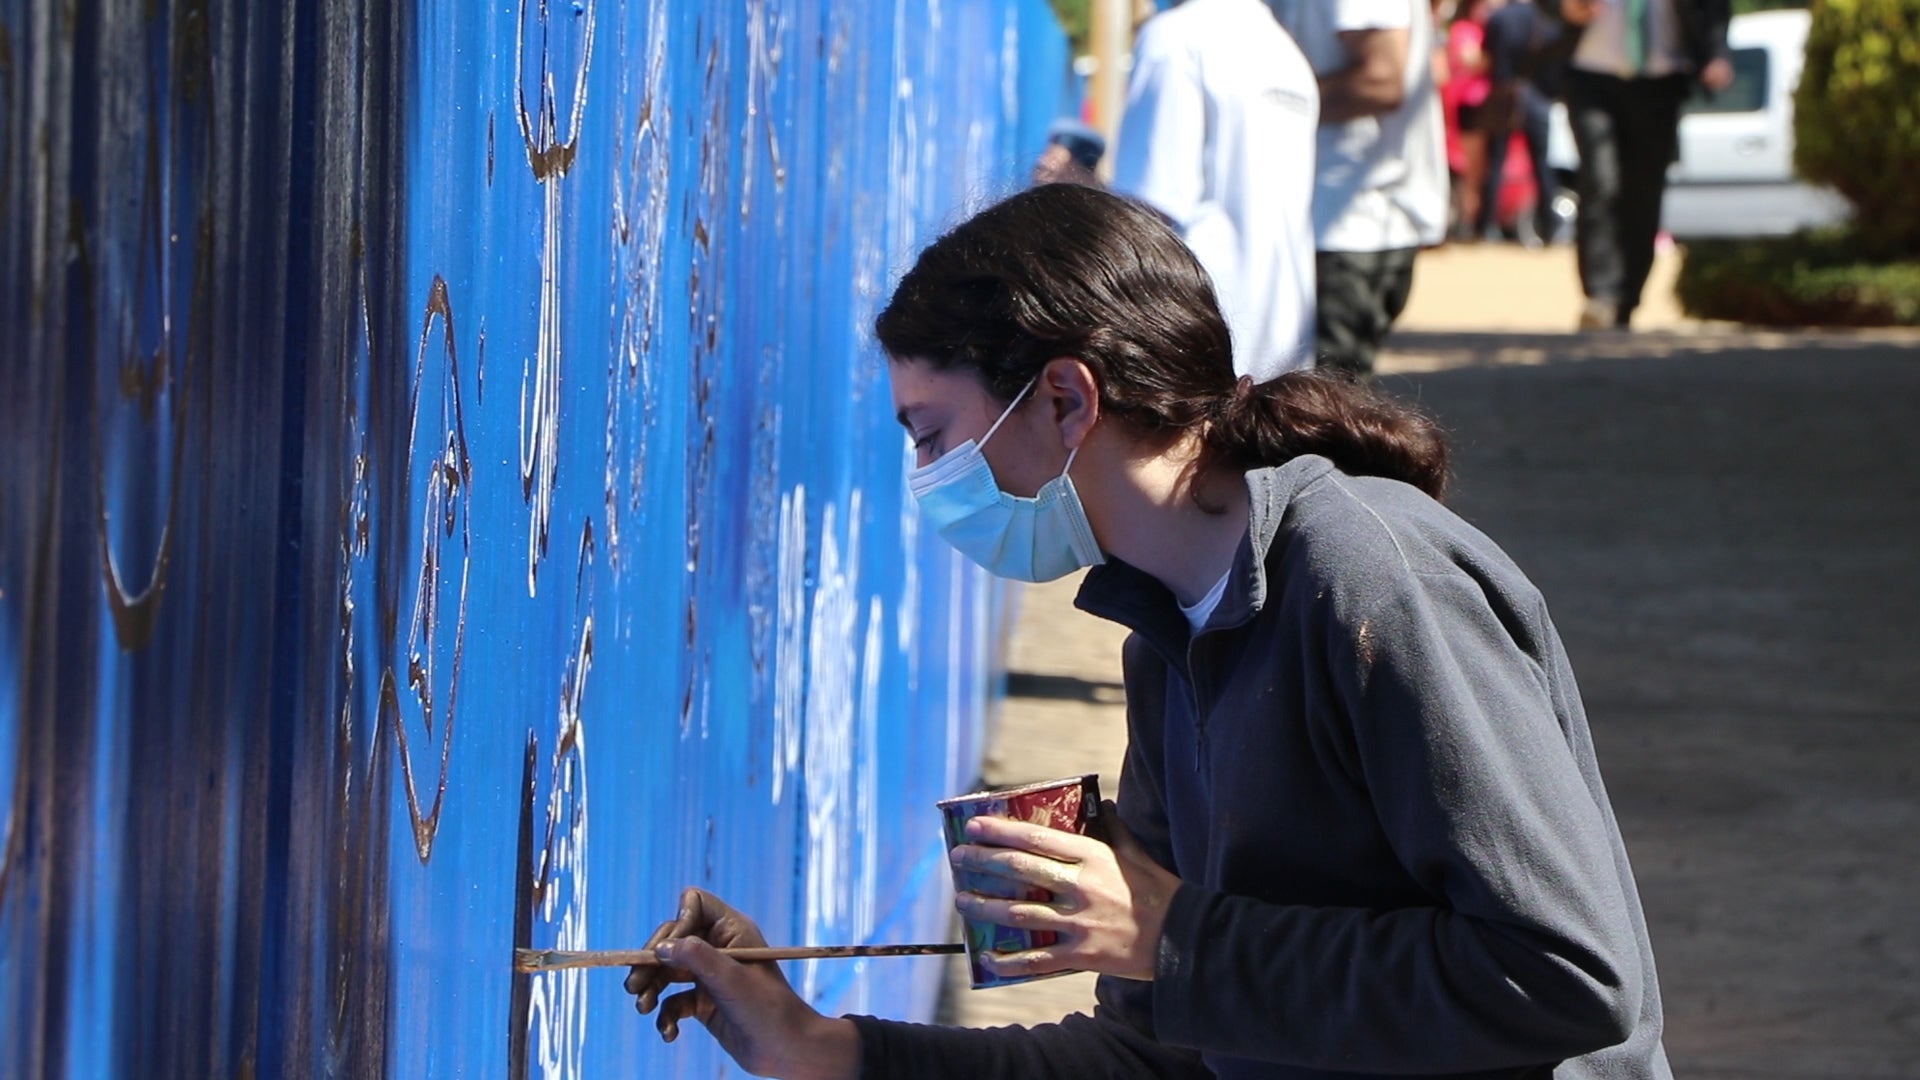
(1467, 87)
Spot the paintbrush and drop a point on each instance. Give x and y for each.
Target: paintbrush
(531, 961)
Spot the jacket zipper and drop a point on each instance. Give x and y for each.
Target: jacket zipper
(1199, 710)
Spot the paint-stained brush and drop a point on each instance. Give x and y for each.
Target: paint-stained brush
(530, 961)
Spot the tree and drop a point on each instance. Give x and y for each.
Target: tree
(1076, 18)
(1856, 119)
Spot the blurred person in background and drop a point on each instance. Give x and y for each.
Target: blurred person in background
(1442, 15)
(1221, 118)
(1464, 93)
(1073, 153)
(1633, 62)
(1524, 67)
(1442, 72)
(1380, 176)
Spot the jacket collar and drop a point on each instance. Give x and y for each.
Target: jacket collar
(1124, 594)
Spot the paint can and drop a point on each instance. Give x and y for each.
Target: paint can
(1071, 804)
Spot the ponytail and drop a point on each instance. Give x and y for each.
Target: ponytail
(1359, 429)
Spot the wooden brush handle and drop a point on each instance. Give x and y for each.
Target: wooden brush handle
(530, 961)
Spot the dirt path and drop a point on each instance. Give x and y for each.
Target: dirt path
(1501, 287)
(1724, 525)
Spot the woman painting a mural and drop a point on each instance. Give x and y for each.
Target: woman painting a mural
(1364, 833)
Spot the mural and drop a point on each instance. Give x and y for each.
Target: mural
(448, 501)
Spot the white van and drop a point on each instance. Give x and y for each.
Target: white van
(1735, 174)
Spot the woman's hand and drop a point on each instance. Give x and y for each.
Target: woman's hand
(748, 1008)
(1109, 902)
(1717, 75)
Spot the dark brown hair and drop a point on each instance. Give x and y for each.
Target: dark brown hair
(1064, 270)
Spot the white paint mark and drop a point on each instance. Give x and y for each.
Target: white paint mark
(557, 1008)
(550, 152)
(639, 228)
(763, 542)
(763, 69)
(831, 660)
(903, 203)
(866, 884)
(557, 1013)
(842, 724)
(790, 630)
(540, 426)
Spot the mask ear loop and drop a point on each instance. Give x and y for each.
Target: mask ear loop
(1014, 404)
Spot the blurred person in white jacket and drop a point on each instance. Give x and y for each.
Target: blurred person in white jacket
(1218, 135)
(1382, 188)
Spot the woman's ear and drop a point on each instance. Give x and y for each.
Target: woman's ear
(1074, 395)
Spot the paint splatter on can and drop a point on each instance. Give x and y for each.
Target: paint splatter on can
(1071, 804)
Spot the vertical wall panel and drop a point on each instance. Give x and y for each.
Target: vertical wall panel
(450, 501)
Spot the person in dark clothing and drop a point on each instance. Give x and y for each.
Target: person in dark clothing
(1360, 830)
(1631, 65)
(1520, 44)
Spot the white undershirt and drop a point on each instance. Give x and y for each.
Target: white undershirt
(1202, 609)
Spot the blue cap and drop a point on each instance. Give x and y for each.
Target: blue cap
(1083, 142)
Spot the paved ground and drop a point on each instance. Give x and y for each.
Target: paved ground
(1724, 525)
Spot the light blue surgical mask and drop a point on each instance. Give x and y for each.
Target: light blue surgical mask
(1037, 539)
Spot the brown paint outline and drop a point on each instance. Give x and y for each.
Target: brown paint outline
(135, 616)
(547, 156)
(573, 692)
(530, 885)
(452, 470)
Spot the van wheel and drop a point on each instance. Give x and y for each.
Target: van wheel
(1561, 216)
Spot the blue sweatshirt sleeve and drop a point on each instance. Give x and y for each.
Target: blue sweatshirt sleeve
(1527, 953)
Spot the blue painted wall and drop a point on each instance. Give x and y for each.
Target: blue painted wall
(451, 501)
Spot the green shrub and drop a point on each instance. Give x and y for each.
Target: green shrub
(1812, 279)
(1856, 122)
(1077, 21)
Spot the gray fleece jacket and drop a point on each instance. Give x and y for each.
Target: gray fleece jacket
(1372, 772)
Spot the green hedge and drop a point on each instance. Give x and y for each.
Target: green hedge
(1856, 124)
(1811, 279)
(1077, 20)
